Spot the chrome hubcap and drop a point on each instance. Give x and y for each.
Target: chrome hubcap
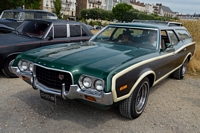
(9, 65)
(184, 68)
(142, 97)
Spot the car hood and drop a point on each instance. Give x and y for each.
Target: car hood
(12, 38)
(85, 57)
(2, 26)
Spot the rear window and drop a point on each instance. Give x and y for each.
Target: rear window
(183, 34)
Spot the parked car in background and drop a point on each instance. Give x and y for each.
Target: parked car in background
(117, 66)
(33, 33)
(99, 27)
(90, 27)
(11, 19)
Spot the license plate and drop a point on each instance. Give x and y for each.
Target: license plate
(48, 97)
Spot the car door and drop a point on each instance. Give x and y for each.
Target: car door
(168, 54)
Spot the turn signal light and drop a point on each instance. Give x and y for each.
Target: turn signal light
(123, 87)
(90, 98)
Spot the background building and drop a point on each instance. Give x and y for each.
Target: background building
(72, 8)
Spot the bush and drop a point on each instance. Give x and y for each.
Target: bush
(194, 29)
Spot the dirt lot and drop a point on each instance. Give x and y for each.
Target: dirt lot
(173, 106)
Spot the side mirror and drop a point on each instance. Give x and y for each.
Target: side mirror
(168, 45)
(50, 38)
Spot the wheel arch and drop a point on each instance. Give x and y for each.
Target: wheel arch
(150, 74)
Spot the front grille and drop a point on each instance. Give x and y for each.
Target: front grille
(50, 78)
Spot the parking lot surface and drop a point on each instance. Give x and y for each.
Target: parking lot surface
(173, 106)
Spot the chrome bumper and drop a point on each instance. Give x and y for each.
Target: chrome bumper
(74, 91)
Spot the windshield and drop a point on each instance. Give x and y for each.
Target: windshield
(10, 15)
(33, 28)
(136, 37)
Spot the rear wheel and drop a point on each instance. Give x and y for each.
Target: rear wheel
(183, 69)
(133, 106)
(180, 73)
(7, 68)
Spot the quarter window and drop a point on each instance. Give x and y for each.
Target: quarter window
(77, 30)
(183, 34)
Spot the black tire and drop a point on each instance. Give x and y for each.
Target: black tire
(180, 73)
(183, 69)
(133, 106)
(7, 68)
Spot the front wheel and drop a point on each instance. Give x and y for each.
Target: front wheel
(133, 106)
(7, 68)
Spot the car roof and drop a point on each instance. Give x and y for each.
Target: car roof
(157, 25)
(26, 10)
(56, 21)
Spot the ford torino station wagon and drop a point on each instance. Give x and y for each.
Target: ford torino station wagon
(116, 67)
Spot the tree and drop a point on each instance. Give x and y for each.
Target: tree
(32, 4)
(120, 10)
(85, 13)
(13, 4)
(57, 8)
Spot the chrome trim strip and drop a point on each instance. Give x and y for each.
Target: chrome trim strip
(68, 30)
(48, 31)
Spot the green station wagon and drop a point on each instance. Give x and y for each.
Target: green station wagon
(116, 67)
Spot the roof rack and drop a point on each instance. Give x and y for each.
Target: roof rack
(158, 22)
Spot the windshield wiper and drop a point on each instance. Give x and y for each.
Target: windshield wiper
(28, 34)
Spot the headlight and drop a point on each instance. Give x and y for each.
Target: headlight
(31, 67)
(91, 83)
(99, 85)
(87, 82)
(25, 65)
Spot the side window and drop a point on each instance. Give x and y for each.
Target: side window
(183, 34)
(27, 15)
(164, 40)
(173, 37)
(60, 31)
(77, 30)
(43, 15)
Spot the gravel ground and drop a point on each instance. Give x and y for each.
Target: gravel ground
(173, 107)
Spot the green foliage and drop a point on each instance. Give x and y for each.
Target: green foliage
(13, 4)
(120, 11)
(85, 13)
(32, 4)
(96, 13)
(57, 8)
(93, 23)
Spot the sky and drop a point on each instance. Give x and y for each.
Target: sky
(181, 6)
